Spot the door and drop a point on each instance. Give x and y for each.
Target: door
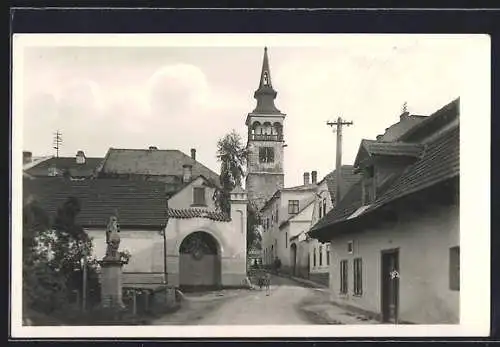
(390, 285)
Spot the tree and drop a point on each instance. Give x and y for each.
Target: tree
(43, 287)
(52, 256)
(233, 155)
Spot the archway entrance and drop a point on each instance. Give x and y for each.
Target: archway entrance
(199, 262)
(293, 258)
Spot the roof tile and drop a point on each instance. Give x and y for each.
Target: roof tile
(138, 203)
(198, 213)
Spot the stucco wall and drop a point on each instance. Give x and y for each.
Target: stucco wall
(284, 250)
(230, 236)
(261, 186)
(184, 198)
(424, 241)
(276, 237)
(146, 247)
(254, 164)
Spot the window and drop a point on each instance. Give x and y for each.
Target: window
(293, 206)
(314, 257)
(343, 276)
(286, 239)
(324, 207)
(358, 276)
(272, 220)
(327, 255)
(455, 268)
(350, 247)
(277, 220)
(266, 155)
(320, 255)
(199, 196)
(368, 186)
(320, 210)
(267, 223)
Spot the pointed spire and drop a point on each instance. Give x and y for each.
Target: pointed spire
(265, 95)
(265, 75)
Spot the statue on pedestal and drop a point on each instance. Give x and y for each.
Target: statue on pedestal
(112, 239)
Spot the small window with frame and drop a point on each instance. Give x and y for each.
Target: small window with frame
(293, 206)
(350, 247)
(199, 196)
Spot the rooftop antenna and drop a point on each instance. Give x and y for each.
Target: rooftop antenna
(57, 142)
(57, 145)
(405, 107)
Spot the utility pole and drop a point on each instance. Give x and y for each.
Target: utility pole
(338, 124)
(57, 144)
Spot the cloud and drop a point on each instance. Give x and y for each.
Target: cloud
(177, 89)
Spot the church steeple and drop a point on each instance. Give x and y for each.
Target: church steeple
(265, 95)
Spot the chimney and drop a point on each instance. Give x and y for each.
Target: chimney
(193, 153)
(314, 177)
(188, 171)
(306, 178)
(27, 157)
(80, 157)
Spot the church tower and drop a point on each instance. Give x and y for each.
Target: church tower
(265, 142)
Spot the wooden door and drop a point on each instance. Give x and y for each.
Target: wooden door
(390, 286)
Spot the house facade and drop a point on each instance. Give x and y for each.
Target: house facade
(204, 247)
(141, 211)
(286, 214)
(326, 199)
(394, 237)
(79, 167)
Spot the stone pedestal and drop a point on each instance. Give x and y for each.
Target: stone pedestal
(111, 283)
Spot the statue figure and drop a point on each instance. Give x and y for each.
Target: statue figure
(112, 238)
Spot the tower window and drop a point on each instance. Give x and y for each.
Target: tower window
(266, 155)
(266, 79)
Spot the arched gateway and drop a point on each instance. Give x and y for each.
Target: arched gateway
(199, 261)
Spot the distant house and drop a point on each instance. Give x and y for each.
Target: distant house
(78, 166)
(325, 199)
(155, 164)
(394, 237)
(205, 247)
(284, 215)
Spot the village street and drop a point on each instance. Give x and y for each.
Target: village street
(288, 303)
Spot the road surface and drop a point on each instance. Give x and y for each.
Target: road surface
(251, 307)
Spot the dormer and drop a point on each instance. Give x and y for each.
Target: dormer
(378, 162)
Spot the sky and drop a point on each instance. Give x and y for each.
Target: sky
(183, 97)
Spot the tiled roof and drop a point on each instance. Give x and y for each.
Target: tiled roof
(198, 213)
(444, 115)
(153, 162)
(348, 179)
(439, 162)
(138, 203)
(393, 148)
(66, 163)
(378, 148)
